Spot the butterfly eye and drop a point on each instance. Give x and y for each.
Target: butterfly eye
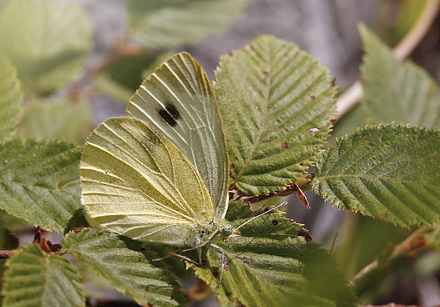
(227, 230)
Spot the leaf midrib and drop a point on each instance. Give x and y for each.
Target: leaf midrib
(263, 126)
(35, 186)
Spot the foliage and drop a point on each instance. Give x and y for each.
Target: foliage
(386, 171)
(34, 278)
(274, 265)
(160, 24)
(10, 99)
(272, 103)
(127, 266)
(47, 41)
(411, 95)
(277, 103)
(60, 119)
(32, 189)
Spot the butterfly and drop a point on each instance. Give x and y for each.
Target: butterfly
(159, 174)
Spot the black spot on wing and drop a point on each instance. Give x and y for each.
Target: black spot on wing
(172, 111)
(167, 117)
(170, 114)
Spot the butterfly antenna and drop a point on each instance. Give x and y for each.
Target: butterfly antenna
(265, 212)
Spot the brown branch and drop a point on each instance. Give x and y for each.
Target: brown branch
(290, 189)
(118, 51)
(403, 49)
(5, 254)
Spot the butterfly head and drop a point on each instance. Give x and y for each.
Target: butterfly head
(226, 230)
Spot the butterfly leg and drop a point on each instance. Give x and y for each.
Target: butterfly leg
(182, 257)
(222, 259)
(175, 254)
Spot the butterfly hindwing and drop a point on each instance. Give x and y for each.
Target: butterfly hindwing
(179, 101)
(136, 183)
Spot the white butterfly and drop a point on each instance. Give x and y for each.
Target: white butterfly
(160, 174)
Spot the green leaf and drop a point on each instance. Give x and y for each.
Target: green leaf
(47, 41)
(276, 102)
(171, 23)
(31, 187)
(109, 87)
(268, 264)
(394, 91)
(127, 71)
(34, 278)
(126, 265)
(7, 242)
(387, 171)
(10, 222)
(366, 239)
(10, 99)
(62, 119)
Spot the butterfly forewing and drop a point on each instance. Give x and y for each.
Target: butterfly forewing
(179, 101)
(137, 183)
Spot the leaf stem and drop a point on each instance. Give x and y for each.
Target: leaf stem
(402, 50)
(404, 247)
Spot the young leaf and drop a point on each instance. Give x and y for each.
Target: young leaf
(126, 265)
(62, 119)
(10, 99)
(277, 103)
(268, 265)
(394, 91)
(387, 171)
(34, 278)
(170, 23)
(30, 174)
(47, 41)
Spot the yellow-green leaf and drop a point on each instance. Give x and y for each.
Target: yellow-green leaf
(60, 119)
(170, 23)
(10, 99)
(269, 264)
(277, 103)
(394, 91)
(34, 278)
(127, 266)
(32, 186)
(47, 41)
(387, 171)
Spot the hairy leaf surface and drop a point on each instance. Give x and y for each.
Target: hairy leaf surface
(268, 264)
(276, 102)
(34, 278)
(30, 182)
(46, 41)
(10, 99)
(387, 171)
(126, 265)
(395, 91)
(170, 23)
(62, 119)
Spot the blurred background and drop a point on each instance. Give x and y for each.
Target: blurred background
(80, 61)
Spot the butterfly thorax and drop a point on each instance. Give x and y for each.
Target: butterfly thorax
(206, 233)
